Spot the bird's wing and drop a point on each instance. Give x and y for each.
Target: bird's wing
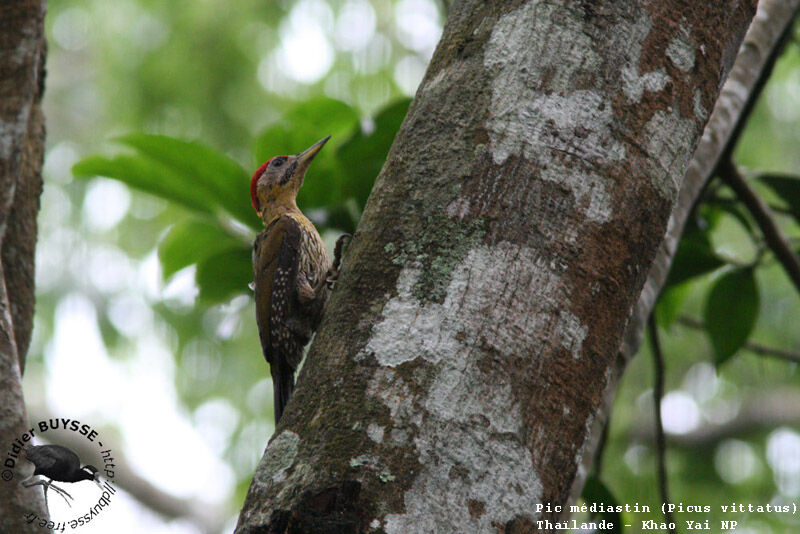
(275, 265)
(46, 456)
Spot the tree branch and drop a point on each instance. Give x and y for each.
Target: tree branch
(729, 202)
(752, 346)
(658, 427)
(765, 220)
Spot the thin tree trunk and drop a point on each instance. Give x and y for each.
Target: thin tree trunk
(466, 351)
(22, 54)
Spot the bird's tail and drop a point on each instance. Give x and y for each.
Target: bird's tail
(282, 386)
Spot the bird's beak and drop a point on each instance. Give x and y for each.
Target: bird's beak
(305, 157)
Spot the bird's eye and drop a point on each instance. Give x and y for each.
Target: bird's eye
(277, 162)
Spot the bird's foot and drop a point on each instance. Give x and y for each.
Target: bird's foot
(63, 494)
(333, 273)
(30, 482)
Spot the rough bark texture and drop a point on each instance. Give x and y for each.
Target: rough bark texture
(481, 306)
(22, 53)
(772, 20)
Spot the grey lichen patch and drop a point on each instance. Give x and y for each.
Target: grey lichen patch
(550, 121)
(13, 131)
(407, 331)
(394, 393)
(299, 476)
(634, 82)
(386, 476)
(375, 432)
(525, 119)
(587, 186)
(374, 464)
(364, 460)
(410, 329)
(538, 112)
(461, 393)
(278, 457)
(471, 466)
(434, 82)
(458, 208)
(572, 333)
(668, 136)
(700, 111)
(468, 423)
(680, 50)
(634, 85)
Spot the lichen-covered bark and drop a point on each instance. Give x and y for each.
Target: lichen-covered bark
(22, 53)
(454, 381)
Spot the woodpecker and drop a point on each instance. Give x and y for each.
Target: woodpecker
(292, 271)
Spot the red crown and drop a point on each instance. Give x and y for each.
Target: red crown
(254, 184)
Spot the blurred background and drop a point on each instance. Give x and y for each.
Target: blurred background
(157, 113)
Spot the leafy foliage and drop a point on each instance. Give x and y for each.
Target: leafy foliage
(361, 153)
(787, 188)
(731, 311)
(694, 257)
(595, 491)
(214, 189)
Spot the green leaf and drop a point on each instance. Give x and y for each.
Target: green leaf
(595, 491)
(191, 242)
(323, 113)
(786, 187)
(670, 303)
(693, 258)
(363, 154)
(219, 178)
(738, 212)
(731, 311)
(303, 126)
(148, 176)
(224, 274)
(344, 216)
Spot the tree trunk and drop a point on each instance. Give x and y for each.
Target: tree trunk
(22, 54)
(751, 68)
(454, 381)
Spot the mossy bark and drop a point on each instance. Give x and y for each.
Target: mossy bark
(481, 305)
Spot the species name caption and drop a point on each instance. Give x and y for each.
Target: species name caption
(741, 509)
(16, 454)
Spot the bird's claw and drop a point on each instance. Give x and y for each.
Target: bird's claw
(331, 278)
(337, 250)
(333, 273)
(46, 485)
(63, 494)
